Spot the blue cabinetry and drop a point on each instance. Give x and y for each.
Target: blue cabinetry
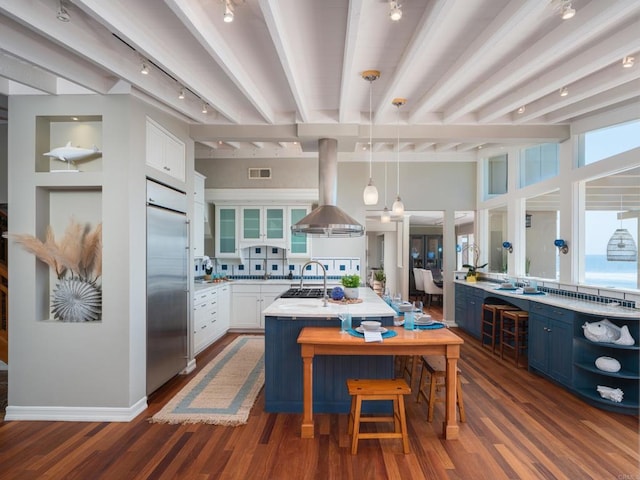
(551, 342)
(283, 368)
(469, 309)
(587, 377)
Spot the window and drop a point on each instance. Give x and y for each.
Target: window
(541, 229)
(497, 175)
(606, 142)
(538, 163)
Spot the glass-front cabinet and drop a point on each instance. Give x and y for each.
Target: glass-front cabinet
(298, 245)
(226, 231)
(262, 224)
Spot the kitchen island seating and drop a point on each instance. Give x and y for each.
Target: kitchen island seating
(378, 389)
(513, 333)
(491, 322)
(436, 367)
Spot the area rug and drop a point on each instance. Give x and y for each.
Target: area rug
(224, 391)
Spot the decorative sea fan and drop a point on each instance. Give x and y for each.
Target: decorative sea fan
(76, 301)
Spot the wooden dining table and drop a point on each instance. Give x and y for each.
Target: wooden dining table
(329, 341)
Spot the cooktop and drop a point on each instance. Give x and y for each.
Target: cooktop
(305, 293)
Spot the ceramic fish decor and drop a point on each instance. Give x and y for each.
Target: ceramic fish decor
(605, 331)
(73, 154)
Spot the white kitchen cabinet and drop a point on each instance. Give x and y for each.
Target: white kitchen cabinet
(226, 227)
(197, 223)
(224, 308)
(205, 317)
(299, 244)
(248, 302)
(264, 225)
(165, 152)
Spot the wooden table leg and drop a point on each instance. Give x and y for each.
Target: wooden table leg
(450, 425)
(307, 430)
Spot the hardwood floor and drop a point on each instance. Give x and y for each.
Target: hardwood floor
(519, 426)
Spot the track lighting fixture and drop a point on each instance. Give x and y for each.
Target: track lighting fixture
(627, 62)
(228, 12)
(181, 94)
(395, 11)
(62, 14)
(568, 11)
(564, 91)
(370, 194)
(144, 69)
(204, 108)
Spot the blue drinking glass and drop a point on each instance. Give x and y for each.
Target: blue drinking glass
(409, 320)
(345, 322)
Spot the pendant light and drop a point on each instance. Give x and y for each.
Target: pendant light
(370, 194)
(621, 247)
(398, 206)
(386, 216)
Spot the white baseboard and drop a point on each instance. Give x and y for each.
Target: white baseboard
(76, 414)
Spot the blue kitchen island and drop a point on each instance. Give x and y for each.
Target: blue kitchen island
(284, 319)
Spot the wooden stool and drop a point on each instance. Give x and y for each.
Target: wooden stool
(490, 324)
(513, 333)
(437, 368)
(378, 389)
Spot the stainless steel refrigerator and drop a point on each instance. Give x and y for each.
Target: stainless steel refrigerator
(167, 284)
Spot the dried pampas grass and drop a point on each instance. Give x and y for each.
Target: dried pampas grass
(78, 252)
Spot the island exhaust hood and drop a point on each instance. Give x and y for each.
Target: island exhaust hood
(328, 220)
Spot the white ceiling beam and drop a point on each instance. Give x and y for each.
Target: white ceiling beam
(194, 17)
(465, 147)
(592, 20)
(22, 43)
(600, 82)
(349, 70)
(445, 147)
(426, 34)
(507, 24)
(624, 93)
(273, 16)
(27, 74)
(147, 39)
(605, 53)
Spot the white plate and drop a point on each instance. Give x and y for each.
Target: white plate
(381, 330)
(426, 321)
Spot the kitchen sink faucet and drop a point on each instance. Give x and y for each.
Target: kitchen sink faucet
(325, 298)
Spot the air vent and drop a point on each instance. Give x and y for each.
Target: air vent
(259, 173)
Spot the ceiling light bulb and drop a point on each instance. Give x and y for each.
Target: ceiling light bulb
(568, 11)
(522, 109)
(204, 108)
(181, 94)
(144, 70)
(395, 11)
(228, 12)
(627, 62)
(564, 91)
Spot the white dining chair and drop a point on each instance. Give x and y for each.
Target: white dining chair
(430, 288)
(417, 275)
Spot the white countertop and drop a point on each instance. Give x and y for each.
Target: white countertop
(569, 303)
(372, 306)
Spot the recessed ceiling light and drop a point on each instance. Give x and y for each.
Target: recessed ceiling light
(204, 108)
(522, 109)
(75, 119)
(564, 91)
(144, 70)
(181, 94)
(628, 61)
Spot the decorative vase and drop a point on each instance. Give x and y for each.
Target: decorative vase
(378, 287)
(471, 278)
(76, 301)
(350, 293)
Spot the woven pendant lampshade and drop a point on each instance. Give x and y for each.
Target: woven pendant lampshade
(621, 247)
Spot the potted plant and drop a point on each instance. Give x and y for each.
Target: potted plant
(350, 284)
(379, 278)
(473, 253)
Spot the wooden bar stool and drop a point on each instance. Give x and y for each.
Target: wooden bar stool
(490, 324)
(436, 366)
(513, 333)
(378, 389)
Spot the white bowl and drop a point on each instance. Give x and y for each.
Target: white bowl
(371, 325)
